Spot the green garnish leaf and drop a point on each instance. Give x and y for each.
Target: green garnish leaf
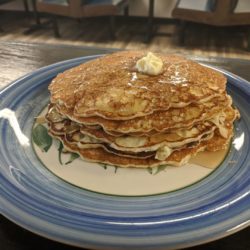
(156, 170)
(41, 137)
(73, 156)
(103, 165)
(149, 170)
(60, 149)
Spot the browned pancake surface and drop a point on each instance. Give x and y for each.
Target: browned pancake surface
(108, 112)
(111, 87)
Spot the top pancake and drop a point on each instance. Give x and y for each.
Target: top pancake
(111, 87)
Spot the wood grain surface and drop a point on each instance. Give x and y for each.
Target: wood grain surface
(18, 59)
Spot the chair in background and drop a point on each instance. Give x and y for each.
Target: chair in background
(79, 9)
(212, 12)
(3, 2)
(25, 4)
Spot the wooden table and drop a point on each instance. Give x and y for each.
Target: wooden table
(17, 59)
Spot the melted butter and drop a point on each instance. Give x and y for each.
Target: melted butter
(177, 74)
(134, 77)
(210, 159)
(136, 81)
(11, 117)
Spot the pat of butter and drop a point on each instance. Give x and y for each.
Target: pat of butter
(163, 153)
(150, 64)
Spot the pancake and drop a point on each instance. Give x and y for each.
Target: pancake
(111, 87)
(70, 141)
(162, 120)
(159, 145)
(152, 145)
(125, 147)
(125, 110)
(177, 158)
(172, 140)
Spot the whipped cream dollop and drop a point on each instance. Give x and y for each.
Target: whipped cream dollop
(150, 64)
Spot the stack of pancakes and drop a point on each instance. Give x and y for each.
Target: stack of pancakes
(107, 111)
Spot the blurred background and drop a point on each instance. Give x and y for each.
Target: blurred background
(204, 27)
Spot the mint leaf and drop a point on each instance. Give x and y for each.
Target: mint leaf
(60, 149)
(41, 137)
(103, 165)
(156, 170)
(73, 156)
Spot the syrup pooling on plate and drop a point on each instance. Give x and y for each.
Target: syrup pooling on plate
(134, 109)
(210, 159)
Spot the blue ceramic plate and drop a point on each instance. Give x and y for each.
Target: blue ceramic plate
(31, 196)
